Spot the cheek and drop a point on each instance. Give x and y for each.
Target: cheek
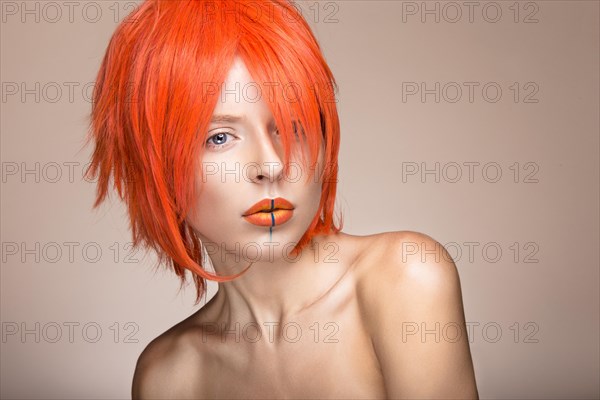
(214, 205)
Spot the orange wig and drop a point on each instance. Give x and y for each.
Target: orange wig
(154, 98)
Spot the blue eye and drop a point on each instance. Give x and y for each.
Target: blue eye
(218, 140)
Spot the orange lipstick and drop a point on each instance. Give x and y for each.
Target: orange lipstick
(270, 212)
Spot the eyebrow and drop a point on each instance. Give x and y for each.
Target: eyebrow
(226, 118)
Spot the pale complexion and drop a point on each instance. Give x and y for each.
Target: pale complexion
(338, 322)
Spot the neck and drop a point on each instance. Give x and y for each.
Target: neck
(274, 289)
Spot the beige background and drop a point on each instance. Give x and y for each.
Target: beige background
(547, 311)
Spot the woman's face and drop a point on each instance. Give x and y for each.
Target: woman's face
(243, 164)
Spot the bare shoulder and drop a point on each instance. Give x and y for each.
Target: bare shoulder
(392, 266)
(410, 269)
(414, 260)
(409, 294)
(170, 366)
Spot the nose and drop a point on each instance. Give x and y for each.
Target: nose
(267, 161)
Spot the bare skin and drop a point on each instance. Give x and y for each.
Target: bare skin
(351, 341)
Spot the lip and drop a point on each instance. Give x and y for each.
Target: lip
(270, 212)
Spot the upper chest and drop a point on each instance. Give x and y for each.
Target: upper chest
(305, 358)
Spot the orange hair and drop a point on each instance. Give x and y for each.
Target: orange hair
(153, 102)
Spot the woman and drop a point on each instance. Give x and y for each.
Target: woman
(218, 124)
